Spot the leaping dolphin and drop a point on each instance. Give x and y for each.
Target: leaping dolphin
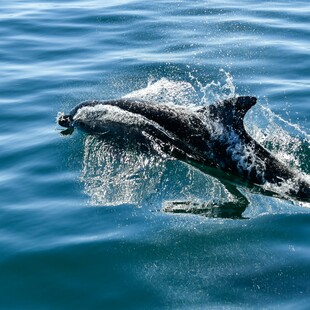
(212, 138)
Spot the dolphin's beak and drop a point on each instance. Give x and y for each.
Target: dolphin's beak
(65, 121)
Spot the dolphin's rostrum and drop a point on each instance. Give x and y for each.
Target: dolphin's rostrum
(212, 138)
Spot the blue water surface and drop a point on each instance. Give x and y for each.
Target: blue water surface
(81, 223)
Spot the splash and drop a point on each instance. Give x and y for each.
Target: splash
(282, 138)
(214, 91)
(119, 174)
(166, 91)
(115, 174)
(192, 93)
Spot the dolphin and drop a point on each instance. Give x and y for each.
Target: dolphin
(212, 138)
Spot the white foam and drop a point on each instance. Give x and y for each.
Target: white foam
(166, 91)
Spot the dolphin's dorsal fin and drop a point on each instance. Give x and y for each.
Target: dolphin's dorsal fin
(231, 111)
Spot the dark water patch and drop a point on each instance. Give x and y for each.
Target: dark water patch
(59, 252)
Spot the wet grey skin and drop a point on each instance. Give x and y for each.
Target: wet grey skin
(191, 136)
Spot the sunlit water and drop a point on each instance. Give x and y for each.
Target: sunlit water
(81, 220)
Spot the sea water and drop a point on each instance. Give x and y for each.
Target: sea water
(82, 225)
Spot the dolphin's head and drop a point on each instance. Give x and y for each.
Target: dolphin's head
(101, 118)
